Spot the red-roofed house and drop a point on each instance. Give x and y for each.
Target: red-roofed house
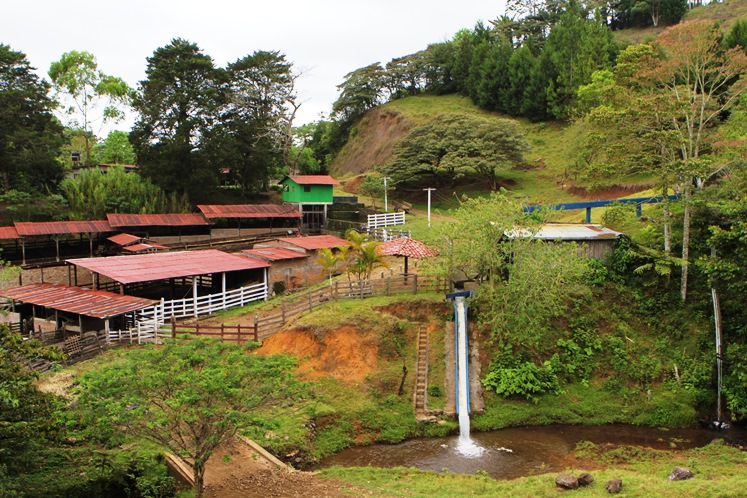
(295, 271)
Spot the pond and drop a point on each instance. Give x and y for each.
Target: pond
(521, 451)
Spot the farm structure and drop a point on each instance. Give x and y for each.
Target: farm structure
(311, 195)
(295, 271)
(236, 220)
(595, 241)
(67, 237)
(49, 308)
(162, 228)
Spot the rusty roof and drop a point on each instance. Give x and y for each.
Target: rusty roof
(315, 242)
(98, 304)
(155, 220)
(29, 228)
(568, 231)
(165, 265)
(123, 239)
(143, 247)
(313, 179)
(404, 246)
(274, 253)
(248, 211)
(8, 233)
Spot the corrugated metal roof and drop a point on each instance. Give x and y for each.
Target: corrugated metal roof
(274, 253)
(155, 220)
(313, 179)
(248, 211)
(165, 265)
(143, 247)
(98, 304)
(8, 233)
(571, 231)
(29, 228)
(122, 239)
(314, 242)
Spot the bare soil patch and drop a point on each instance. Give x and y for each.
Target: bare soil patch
(344, 353)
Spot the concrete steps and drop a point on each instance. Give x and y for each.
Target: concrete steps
(421, 378)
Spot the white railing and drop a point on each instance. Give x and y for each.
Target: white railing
(385, 220)
(148, 321)
(384, 235)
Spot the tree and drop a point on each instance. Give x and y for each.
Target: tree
(450, 145)
(372, 186)
(116, 149)
(189, 395)
(700, 81)
(179, 104)
(361, 91)
(258, 118)
(30, 136)
(26, 414)
(93, 193)
(361, 257)
(77, 78)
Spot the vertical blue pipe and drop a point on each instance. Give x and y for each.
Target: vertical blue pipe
(588, 215)
(456, 357)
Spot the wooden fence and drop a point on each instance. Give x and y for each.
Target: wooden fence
(292, 307)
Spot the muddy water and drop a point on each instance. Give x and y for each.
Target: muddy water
(518, 452)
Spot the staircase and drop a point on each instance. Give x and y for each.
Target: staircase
(421, 380)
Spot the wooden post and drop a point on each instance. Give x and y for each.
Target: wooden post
(222, 330)
(311, 301)
(173, 327)
(388, 286)
(256, 328)
(337, 291)
(415, 284)
(282, 309)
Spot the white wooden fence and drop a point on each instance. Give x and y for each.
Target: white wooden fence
(385, 220)
(148, 321)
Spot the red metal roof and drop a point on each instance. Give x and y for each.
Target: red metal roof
(314, 242)
(122, 239)
(98, 304)
(313, 180)
(155, 220)
(274, 253)
(8, 233)
(143, 247)
(248, 211)
(165, 265)
(29, 228)
(404, 246)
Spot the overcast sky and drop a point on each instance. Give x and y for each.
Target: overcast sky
(324, 39)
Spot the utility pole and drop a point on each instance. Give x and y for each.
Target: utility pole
(386, 206)
(429, 190)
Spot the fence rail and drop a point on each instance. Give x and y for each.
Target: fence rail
(292, 307)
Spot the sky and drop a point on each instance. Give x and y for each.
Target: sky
(323, 39)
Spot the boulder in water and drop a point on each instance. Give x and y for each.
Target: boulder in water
(680, 474)
(585, 479)
(614, 485)
(566, 481)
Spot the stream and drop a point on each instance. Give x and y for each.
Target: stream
(522, 451)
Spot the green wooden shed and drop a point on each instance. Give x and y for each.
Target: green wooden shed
(310, 195)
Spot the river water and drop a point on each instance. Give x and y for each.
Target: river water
(518, 452)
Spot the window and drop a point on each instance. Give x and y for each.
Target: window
(306, 188)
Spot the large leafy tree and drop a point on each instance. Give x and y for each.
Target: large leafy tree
(189, 396)
(90, 98)
(450, 146)
(30, 136)
(361, 90)
(258, 117)
(179, 104)
(116, 149)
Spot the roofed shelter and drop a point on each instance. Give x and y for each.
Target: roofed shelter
(146, 273)
(60, 231)
(231, 220)
(596, 241)
(311, 195)
(74, 308)
(163, 228)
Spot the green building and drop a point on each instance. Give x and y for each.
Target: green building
(310, 195)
